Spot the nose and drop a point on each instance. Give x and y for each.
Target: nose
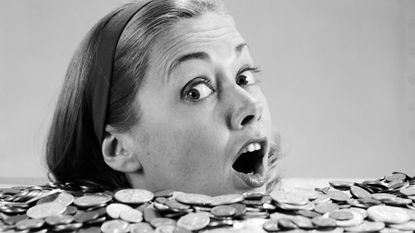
(246, 110)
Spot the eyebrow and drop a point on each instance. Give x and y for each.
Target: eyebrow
(200, 56)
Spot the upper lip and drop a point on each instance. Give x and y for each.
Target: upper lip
(262, 141)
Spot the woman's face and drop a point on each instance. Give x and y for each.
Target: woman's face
(204, 124)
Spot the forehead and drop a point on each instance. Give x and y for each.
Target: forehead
(211, 33)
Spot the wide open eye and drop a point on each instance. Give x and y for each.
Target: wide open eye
(246, 76)
(198, 90)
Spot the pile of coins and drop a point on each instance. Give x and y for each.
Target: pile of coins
(382, 205)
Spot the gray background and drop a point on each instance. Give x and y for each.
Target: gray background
(339, 77)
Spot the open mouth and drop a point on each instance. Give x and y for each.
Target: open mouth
(249, 165)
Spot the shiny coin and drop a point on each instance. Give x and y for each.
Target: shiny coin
(193, 199)
(223, 211)
(323, 222)
(308, 206)
(165, 229)
(337, 195)
(131, 215)
(194, 221)
(410, 191)
(359, 192)
(383, 196)
(14, 219)
(114, 209)
(92, 200)
(114, 226)
(71, 210)
(253, 195)
(286, 223)
(308, 213)
(226, 199)
(141, 227)
(302, 222)
(356, 219)
(341, 215)
(65, 198)
(322, 199)
(408, 226)
(176, 206)
(67, 227)
(164, 193)
(29, 224)
(341, 184)
(388, 214)
(326, 207)
(45, 210)
(86, 216)
(90, 230)
(396, 177)
(367, 227)
(288, 198)
(398, 201)
(59, 219)
(156, 222)
(134, 196)
(240, 209)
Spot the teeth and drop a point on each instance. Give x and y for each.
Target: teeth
(252, 147)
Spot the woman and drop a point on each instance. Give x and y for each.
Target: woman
(163, 95)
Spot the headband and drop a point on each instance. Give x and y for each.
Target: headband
(100, 75)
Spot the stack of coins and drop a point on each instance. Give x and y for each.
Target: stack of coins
(382, 205)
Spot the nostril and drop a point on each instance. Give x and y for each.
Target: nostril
(247, 119)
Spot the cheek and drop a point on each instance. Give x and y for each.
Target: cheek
(183, 146)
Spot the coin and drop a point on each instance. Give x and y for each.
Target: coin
(131, 215)
(367, 227)
(156, 222)
(323, 222)
(388, 214)
(59, 219)
(114, 226)
(356, 219)
(302, 222)
(326, 207)
(194, 221)
(407, 226)
(358, 192)
(29, 224)
(45, 210)
(165, 229)
(341, 215)
(141, 227)
(337, 195)
(288, 198)
(383, 196)
(134, 196)
(223, 211)
(286, 224)
(409, 191)
(64, 198)
(92, 200)
(85, 216)
(341, 184)
(193, 199)
(226, 199)
(114, 209)
(67, 227)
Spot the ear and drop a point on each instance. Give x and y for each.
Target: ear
(117, 152)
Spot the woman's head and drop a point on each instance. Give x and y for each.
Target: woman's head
(184, 104)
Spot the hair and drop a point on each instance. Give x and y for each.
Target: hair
(67, 159)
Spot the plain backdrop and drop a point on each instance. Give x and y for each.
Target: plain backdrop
(339, 76)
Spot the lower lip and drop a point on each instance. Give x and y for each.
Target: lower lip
(252, 180)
